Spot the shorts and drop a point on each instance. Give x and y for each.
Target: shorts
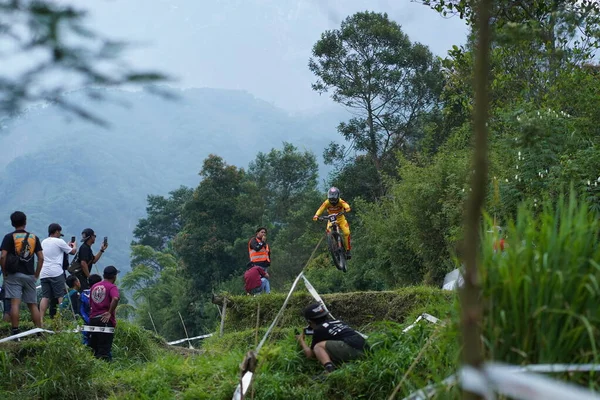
(53, 288)
(21, 286)
(340, 351)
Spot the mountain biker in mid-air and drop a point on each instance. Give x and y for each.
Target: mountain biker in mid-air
(334, 205)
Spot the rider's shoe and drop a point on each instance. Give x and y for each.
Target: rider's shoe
(348, 255)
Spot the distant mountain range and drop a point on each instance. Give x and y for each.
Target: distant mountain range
(82, 175)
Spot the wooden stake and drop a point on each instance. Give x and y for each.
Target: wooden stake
(223, 317)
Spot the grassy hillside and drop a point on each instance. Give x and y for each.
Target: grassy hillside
(58, 366)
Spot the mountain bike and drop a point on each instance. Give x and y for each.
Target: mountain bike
(335, 242)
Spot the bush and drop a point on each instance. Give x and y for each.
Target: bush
(357, 309)
(53, 367)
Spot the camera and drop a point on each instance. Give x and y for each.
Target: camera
(72, 239)
(105, 240)
(308, 331)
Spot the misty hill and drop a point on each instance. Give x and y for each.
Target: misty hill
(83, 175)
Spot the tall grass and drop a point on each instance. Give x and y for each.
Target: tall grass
(542, 293)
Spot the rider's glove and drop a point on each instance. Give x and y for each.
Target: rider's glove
(316, 217)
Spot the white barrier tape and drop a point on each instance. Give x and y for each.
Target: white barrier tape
(23, 334)
(192, 338)
(430, 390)
(551, 368)
(432, 319)
(268, 332)
(523, 385)
(474, 381)
(426, 317)
(313, 292)
(101, 329)
(408, 328)
(246, 379)
(238, 391)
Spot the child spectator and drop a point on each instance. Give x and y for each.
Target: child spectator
(71, 300)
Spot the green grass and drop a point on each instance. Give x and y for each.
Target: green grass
(540, 306)
(59, 366)
(541, 295)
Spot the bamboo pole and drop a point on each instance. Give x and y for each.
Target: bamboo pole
(185, 330)
(471, 310)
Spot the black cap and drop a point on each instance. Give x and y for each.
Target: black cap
(110, 271)
(314, 311)
(54, 227)
(87, 233)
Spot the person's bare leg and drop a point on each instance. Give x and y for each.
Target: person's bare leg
(321, 353)
(14, 312)
(35, 314)
(43, 306)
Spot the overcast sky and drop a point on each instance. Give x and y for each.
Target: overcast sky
(261, 46)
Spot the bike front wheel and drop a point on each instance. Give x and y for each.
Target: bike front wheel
(338, 253)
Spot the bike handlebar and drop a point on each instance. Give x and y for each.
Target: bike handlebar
(331, 217)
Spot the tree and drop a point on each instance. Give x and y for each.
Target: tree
(146, 266)
(164, 220)
(161, 291)
(371, 67)
(213, 219)
(283, 177)
(57, 44)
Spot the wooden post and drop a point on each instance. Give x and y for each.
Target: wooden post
(223, 317)
(257, 324)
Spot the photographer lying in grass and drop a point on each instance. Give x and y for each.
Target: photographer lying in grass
(333, 342)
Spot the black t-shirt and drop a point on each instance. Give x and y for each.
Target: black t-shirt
(86, 254)
(8, 244)
(337, 330)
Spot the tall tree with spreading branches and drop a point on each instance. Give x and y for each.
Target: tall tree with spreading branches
(371, 67)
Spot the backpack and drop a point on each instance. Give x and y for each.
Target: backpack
(75, 266)
(65, 263)
(21, 257)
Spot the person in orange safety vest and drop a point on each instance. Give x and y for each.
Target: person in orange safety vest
(258, 249)
(334, 205)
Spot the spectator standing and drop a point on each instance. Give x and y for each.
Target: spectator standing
(86, 256)
(258, 249)
(257, 280)
(52, 276)
(17, 252)
(104, 298)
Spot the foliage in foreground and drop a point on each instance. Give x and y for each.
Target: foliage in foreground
(542, 292)
(539, 297)
(59, 366)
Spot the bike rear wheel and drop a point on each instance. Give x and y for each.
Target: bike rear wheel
(341, 254)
